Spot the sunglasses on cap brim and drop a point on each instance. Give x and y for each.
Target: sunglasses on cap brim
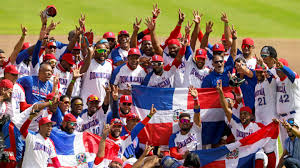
(246, 46)
(264, 55)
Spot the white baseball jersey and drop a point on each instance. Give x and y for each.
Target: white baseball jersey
(178, 78)
(97, 76)
(19, 119)
(251, 63)
(5, 109)
(193, 76)
(5, 63)
(288, 96)
(65, 78)
(166, 80)
(190, 142)
(238, 130)
(24, 70)
(94, 123)
(38, 151)
(17, 96)
(265, 101)
(123, 76)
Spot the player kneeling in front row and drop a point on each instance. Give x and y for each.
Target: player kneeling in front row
(242, 127)
(189, 137)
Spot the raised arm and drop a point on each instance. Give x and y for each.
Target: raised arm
(18, 46)
(204, 41)
(224, 103)
(136, 28)
(101, 147)
(227, 31)
(115, 105)
(88, 58)
(233, 49)
(76, 74)
(106, 101)
(37, 47)
(286, 70)
(197, 120)
(197, 20)
(140, 161)
(138, 128)
(155, 43)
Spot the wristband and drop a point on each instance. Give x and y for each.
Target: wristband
(149, 116)
(234, 38)
(72, 81)
(197, 110)
(195, 98)
(50, 102)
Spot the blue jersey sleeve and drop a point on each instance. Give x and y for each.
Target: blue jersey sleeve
(172, 140)
(136, 130)
(22, 56)
(147, 79)
(24, 81)
(60, 45)
(116, 57)
(115, 109)
(35, 55)
(188, 52)
(289, 73)
(229, 65)
(115, 73)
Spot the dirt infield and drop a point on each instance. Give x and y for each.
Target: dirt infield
(286, 48)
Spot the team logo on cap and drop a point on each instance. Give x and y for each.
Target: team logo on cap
(200, 52)
(233, 154)
(81, 158)
(110, 34)
(176, 114)
(217, 46)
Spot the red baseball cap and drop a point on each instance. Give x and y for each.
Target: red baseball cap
(201, 53)
(125, 99)
(157, 58)
(116, 121)
(51, 43)
(25, 45)
(218, 47)
(69, 58)
(174, 41)
(11, 69)
(123, 32)
(146, 38)
(132, 116)
(283, 61)
(248, 41)
(49, 57)
(92, 98)
(5, 83)
(259, 68)
(45, 120)
(51, 10)
(246, 108)
(69, 118)
(134, 51)
(77, 46)
(229, 95)
(109, 35)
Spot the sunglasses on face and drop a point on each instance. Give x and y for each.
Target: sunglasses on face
(127, 104)
(50, 47)
(111, 39)
(264, 55)
(220, 61)
(101, 50)
(78, 104)
(52, 62)
(66, 102)
(156, 63)
(116, 122)
(217, 52)
(73, 124)
(198, 59)
(184, 121)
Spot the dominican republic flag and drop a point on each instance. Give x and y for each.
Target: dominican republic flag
(240, 153)
(75, 150)
(170, 103)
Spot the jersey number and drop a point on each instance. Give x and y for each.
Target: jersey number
(261, 101)
(284, 98)
(96, 130)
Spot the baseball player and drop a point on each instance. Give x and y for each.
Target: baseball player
(242, 127)
(189, 137)
(248, 53)
(113, 145)
(98, 70)
(159, 77)
(39, 148)
(94, 117)
(288, 92)
(130, 73)
(119, 54)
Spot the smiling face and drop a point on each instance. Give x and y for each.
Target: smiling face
(124, 41)
(173, 50)
(218, 64)
(100, 53)
(147, 48)
(247, 49)
(185, 124)
(77, 107)
(260, 75)
(93, 106)
(115, 130)
(45, 129)
(133, 61)
(245, 117)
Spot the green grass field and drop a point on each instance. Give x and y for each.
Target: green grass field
(254, 18)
